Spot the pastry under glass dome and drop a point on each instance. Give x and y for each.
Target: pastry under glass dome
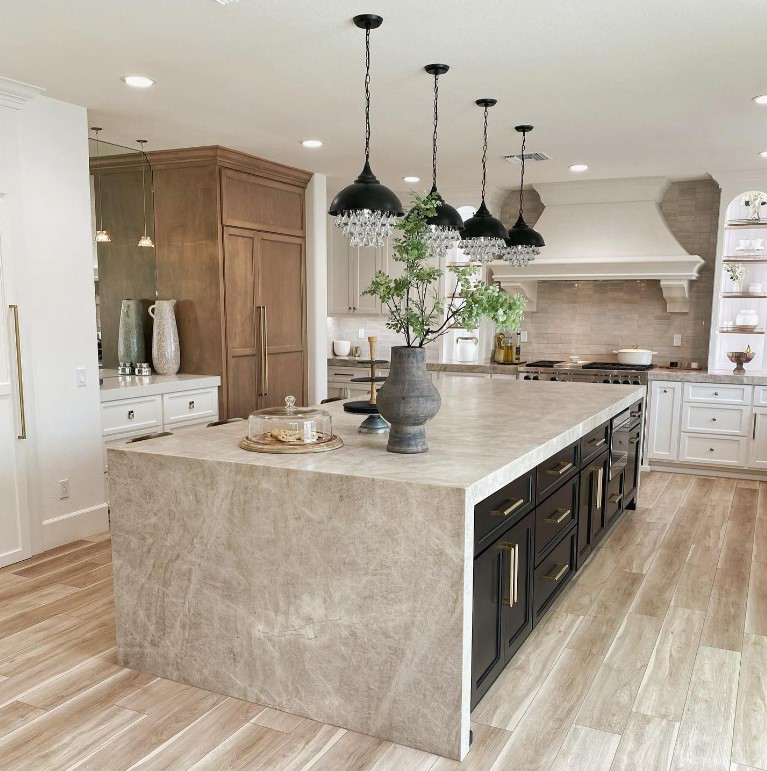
(290, 425)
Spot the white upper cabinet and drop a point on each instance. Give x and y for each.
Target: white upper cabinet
(350, 271)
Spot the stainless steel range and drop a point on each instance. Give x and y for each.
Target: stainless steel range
(586, 372)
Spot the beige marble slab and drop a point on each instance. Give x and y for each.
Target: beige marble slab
(485, 367)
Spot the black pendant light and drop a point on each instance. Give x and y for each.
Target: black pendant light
(523, 243)
(446, 225)
(483, 235)
(366, 210)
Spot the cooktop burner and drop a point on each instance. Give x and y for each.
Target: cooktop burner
(545, 363)
(614, 365)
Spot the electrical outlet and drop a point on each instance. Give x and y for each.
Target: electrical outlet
(63, 489)
(677, 339)
(523, 336)
(361, 334)
(81, 381)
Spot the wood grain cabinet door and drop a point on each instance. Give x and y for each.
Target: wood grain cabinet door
(243, 335)
(281, 301)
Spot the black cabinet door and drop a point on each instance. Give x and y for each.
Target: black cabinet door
(633, 462)
(591, 505)
(502, 603)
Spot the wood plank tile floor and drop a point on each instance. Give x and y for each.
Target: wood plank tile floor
(654, 657)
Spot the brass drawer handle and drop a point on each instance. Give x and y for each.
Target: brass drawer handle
(131, 414)
(598, 442)
(634, 440)
(19, 373)
(513, 506)
(615, 498)
(558, 571)
(513, 550)
(563, 515)
(635, 414)
(560, 468)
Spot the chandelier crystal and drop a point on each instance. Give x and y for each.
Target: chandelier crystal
(523, 244)
(484, 236)
(102, 237)
(366, 211)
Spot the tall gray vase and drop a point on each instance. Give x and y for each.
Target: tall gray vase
(407, 400)
(130, 339)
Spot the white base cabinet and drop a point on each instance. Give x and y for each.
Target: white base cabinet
(663, 425)
(757, 448)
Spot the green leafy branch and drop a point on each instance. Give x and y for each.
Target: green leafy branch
(412, 300)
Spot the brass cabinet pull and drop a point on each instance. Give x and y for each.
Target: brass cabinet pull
(615, 498)
(513, 506)
(19, 374)
(560, 468)
(558, 520)
(263, 386)
(635, 414)
(634, 440)
(513, 550)
(131, 414)
(598, 442)
(558, 571)
(600, 474)
(753, 433)
(266, 352)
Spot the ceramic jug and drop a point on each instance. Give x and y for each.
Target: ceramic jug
(130, 339)
(166, 354)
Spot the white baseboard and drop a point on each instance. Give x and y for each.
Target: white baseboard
(707, 471)
(76, 524)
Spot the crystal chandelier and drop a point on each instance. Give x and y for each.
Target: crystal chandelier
(445, 227)
(145, 240)
(366, 211)
(523, 243)
(484, 236)
(102, 237)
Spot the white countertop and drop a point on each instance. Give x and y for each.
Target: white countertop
(486, 434)
(117, 387)
(705, 376)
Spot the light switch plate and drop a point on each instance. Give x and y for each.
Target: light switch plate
(361, 334)
(677, 339)
(523, 337)
(63, 489)
(81, 380)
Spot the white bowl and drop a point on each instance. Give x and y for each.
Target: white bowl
(342, 347)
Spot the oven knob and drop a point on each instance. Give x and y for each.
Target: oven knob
(535, 377)
(606, 380)
(526, 377)
(553, 377)
(616, 381)
(627, 382)
(636, 382)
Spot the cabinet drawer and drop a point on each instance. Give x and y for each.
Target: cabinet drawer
(131, 415)
(555, 570)
(760, 396)
(496, 512)
(714, 419)
(187, 406)
(555, 515)
(556, 470)
(594, 442)
(614, 502)
(717, 393)
(713, 450)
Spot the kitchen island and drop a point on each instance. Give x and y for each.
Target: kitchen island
(336, 586)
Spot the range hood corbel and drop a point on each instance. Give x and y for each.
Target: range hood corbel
(605, 230)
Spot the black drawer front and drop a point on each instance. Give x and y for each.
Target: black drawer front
(502, 508)
(594, 442)
(552, 473)
(555, 570)
(555, 515)
(614, 504)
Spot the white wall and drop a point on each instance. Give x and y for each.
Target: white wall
(317, 286)
(54, 276)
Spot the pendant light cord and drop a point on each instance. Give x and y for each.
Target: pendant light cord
(98, 178)
(484, 157)
(367, 95)
(434, 135)
(143, 183)
(522, 179)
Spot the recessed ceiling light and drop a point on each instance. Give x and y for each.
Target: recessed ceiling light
(411, 179)
(761, 99)
(579, 167)
(311, 143)
(763, 154)
(137, 81)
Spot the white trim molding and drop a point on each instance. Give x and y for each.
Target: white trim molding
(14, 94)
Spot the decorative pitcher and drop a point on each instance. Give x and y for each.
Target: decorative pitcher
(166, 354)
(130, 339)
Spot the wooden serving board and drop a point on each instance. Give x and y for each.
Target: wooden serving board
(276, 446)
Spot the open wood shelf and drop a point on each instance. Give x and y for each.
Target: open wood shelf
(744, 260)
(736, 224)
(742, 330)
(750, 295)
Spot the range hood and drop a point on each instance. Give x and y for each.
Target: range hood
(600, 230)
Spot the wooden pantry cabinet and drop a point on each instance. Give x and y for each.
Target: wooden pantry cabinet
(231, 249)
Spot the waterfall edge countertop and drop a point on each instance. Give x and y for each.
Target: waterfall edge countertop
(115, 387)
(336, 586)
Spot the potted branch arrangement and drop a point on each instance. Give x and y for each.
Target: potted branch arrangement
(408, 398)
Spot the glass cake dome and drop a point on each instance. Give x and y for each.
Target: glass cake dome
(289, 425)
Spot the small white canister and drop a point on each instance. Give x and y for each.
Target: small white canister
(747, 318)
(466, 349)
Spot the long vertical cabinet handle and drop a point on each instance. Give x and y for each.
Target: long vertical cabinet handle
(513, 550)
(753, 433)
(600, 473)
(265, 350)
(19, 371)
(262, 373)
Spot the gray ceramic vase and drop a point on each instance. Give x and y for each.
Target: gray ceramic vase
(166, 353)
(407, 400)
(130, 340)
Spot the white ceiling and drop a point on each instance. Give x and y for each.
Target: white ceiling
(632, 88)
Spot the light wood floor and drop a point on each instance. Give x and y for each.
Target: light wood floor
(655, 657)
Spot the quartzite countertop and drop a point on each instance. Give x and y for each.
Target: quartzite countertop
(115, 387)
(705, 376)
(338, 585)
(485, 367)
